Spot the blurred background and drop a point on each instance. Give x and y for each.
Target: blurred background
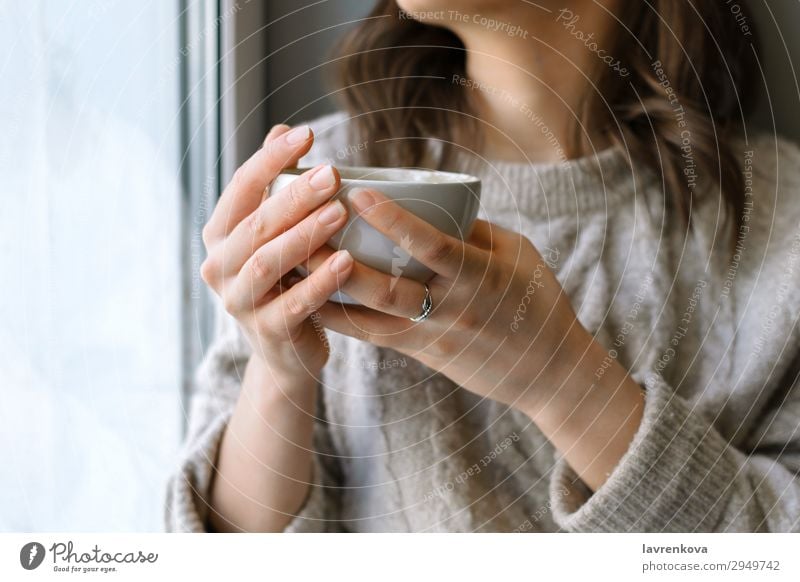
(119, 122)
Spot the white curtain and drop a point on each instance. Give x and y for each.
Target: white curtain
(90, 273)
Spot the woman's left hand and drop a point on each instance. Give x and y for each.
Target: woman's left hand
(501, 326)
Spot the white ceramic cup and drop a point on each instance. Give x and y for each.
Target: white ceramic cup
(446, 200)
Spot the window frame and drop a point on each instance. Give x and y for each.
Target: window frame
(223, 120)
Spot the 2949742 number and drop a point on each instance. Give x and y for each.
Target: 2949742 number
(754, 565)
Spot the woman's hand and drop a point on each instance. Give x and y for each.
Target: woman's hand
(254, 245)
(501, 326)
(265, 456)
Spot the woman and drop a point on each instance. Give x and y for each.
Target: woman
(613, 349)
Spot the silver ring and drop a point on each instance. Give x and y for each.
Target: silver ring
(427, 306)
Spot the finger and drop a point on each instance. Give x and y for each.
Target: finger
(243, 194)
(283, 253)
(372, 288)
(285, 283)
(274, 133)
(367, 325)
(318, 257)
(278, 213)
(436, 250)
(484, 235)
(295, 305)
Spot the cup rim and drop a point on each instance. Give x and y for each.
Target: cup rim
(450, 178)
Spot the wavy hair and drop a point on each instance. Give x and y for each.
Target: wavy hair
(692, 72)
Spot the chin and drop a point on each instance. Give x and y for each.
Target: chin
(437, 9)
(473, 5)
(461, 5)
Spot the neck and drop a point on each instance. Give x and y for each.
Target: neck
(528, 82)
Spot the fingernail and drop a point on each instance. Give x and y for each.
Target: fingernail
(361, 198)
(322, 178)
(331, 213)
(274, 130)
(298, 135)
(341, 261)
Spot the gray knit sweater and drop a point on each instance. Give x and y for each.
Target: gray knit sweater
(716, 346)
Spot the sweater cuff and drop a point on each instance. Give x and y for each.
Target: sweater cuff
(669, 480)
(186, 510)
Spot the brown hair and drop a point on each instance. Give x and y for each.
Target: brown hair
(396, 78)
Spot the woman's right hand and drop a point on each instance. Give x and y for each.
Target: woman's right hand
(254, 244)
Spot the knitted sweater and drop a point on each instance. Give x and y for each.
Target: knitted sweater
(714, 342)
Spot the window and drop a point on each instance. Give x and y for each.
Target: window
(90, 251)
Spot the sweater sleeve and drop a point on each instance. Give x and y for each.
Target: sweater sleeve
(218, 386)
(681, 475)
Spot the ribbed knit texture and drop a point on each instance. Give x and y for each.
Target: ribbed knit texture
(716, 347)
